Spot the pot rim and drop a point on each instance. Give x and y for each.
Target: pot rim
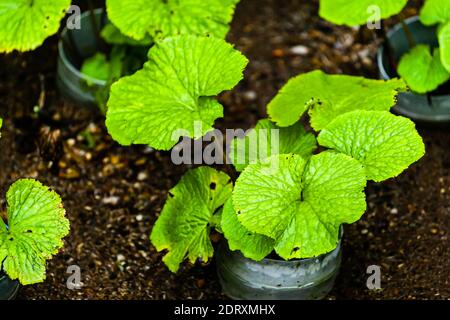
(66, 61)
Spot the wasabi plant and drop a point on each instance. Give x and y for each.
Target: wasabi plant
(25, 24)
(31, 230)
(423, 68)
(135, 25)
(175, 89)
(288, 200)
(133, 28)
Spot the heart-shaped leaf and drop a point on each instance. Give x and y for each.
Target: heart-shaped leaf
(329, 96)
(434, 12)
(174, 94)
(385, 144)
(444, 45)
(301, 204)
(422, 69)
(25, 24)
(164, 18)
(359, 12)
(33, 233)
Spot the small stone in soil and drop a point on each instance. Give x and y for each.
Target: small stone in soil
(299, 50)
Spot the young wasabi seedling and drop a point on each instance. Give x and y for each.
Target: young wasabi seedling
(424, 68)
(135, 26)
(26, 24)
(31, 230)
(175, 90)
(290, 201)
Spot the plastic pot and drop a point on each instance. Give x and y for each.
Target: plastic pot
(306, 279)
(73, 48)
(8, 287)
(419, 108)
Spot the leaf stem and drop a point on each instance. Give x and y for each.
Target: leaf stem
(408, 33)
(96, 27)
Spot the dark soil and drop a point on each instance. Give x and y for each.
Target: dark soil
(113, 194)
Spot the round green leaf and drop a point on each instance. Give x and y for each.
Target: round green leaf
(96, 67)
(422, 69)
(267, 139)
(251, 245)
(327, 96)
(444, 44)
(434, 12)
(164, 18)
(301, 205)
(359, 12)
(184, 224)
(384, 144)
(25, 24)
(173, 95)
(34, 229)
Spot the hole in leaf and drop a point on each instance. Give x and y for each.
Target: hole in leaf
(212, 186)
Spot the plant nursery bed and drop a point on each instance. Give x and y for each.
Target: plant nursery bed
(113, 195)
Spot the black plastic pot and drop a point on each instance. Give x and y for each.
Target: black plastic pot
(8, 287)
(419, 108)
(306, 279)
(74, 47)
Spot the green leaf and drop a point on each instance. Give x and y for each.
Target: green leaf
(174, 93)
(251, 245)
(267, 139)
(25, 24)
(434, 12)
(35, 227)
(96, 67)
(359, 12)
(444, 44)
(112, 35)
(384, 144)
(164, 18)
(422, 70)
(301, 205)
(184, 224)
(328, 96)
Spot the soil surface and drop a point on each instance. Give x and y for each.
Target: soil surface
(114, 194)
